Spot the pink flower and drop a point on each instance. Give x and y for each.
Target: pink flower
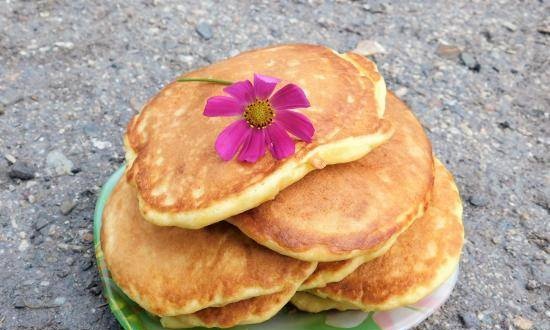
(264, 120)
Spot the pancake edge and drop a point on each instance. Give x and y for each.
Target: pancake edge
(190, 320)
(324, 280)
(311, 303)
(342, 151)
(443, 272)
(191, 305)
(322, 253)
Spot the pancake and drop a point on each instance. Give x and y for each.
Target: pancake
(353, 209)
(421, 260)
(249, 311)
(310, 303)
(173, 271)
(334, 271)
(181, 180)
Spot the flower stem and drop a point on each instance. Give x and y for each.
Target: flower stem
(207, 80)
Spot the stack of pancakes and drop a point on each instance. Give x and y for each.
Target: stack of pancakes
(202, 242)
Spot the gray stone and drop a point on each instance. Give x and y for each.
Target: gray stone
(86, 265)
(2, 109)
(469, 320)
(10, 158)
(544, 29)
(377, 8)
(58, 163)
(19, 302)
(204, 30)
(59, 301)
(478, 200)
(67, 206)
(21, 171)
(509, 26)
(532, 285)
(469, 61)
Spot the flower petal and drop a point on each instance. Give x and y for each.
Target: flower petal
(231, 138)
(222, 106)
(254, 146)
(243, 91)
(296, 123)
(279, 143)
(264, 85)
(289, 97)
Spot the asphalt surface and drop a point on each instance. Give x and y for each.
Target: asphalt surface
(72, 74)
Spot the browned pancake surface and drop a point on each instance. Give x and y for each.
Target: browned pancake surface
(173, 271)
(350, 209)
(176, 169)
(421, 259)
(249, 311)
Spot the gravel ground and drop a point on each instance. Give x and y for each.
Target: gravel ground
(72, 74)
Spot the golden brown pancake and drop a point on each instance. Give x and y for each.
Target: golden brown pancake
(369, 69)
(311, 303)
(422, 258)
(353, 209)
(249, 311)
(181, 180)
(173, 271)
(334, 271)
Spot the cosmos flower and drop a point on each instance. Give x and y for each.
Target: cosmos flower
(265, 119)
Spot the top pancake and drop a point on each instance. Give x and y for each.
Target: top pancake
(423, 257)
(351, 209)
(173, 271)
(181, 180)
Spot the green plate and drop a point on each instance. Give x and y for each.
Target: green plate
(132, 317)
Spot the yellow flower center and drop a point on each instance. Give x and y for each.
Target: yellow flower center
(259, 114)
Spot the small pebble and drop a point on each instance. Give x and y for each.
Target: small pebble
(544, 29)
(19, 302)
(67, 206)
(401, 91)
(85, 265)
(532, 285)
(509, 26)
(70, 261)
(470, 62)
(448, 51)
(477, 200)
(58, 162)
(88, 237)
(468, 320)
(11, 159)
(62, 273)
(369, 47)
(59, 301)
(377, 8)
(522, 323)
(204, 30)
(21, 171)
(64, 44)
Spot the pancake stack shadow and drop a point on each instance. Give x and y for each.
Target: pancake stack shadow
(362, 218)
